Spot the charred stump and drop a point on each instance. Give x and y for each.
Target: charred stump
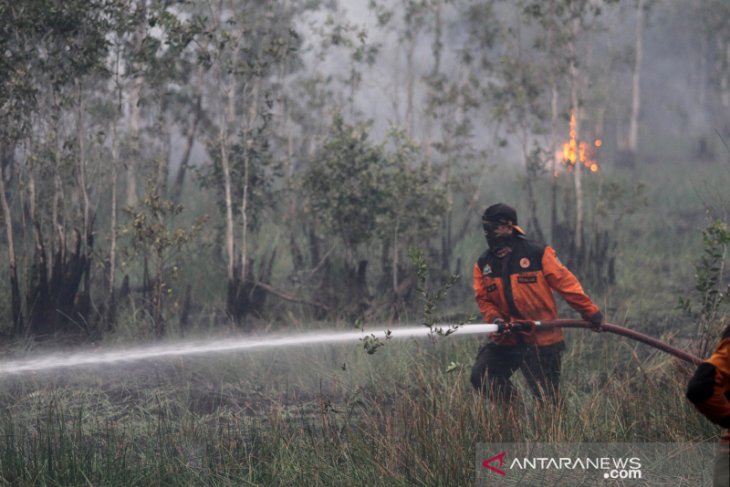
(54, 300)
(245, 297)
(344, 290)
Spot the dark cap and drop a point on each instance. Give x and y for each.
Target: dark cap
(501, 213)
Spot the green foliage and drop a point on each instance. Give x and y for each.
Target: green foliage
(364, 196)
(359, 190)
(47, 42)
(708, 307)
(150, 227)
(152, 234)
(253, 169)
(612, 202)
(344, 184)
(483, 31)
(619, 200)
(249, 47)
(372, 343)
(516, 96)
(713, 18)
(412, 204)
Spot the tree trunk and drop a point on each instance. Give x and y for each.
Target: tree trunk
(633, 136)
(190, 137)
(578, 235)
(250, 126)
(159, 296)
(410, 86)
(228, 119)
(58, 198)
(88, 238)
(436, 48)
(15, 301)
(39, 300)
(185, 310)
(134, 113)
(575, 109)
(111, 293)
(530, 173)
(32, 194)
(225, 163)
(725, 80)
(395, 256)
(447, 235)
(553, 157)
(134, 116)
(702, 78)
(290, 214)
(552, 45)
(111, 304)
(163, 158)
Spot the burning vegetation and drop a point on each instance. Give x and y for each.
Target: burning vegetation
(580, 152)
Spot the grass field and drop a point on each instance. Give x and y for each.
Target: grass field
(322, 415)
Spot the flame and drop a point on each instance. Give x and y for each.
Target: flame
(570, 149)
(580, 152)
(583, 152)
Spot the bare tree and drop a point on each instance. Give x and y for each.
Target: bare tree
(5, 162)
(633, 136)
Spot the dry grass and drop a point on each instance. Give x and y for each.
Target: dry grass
(322, 416)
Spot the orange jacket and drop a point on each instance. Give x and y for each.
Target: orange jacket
(519, 286)
(709, 387)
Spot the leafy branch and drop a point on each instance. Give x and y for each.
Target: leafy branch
(709, 272)
(433, 297)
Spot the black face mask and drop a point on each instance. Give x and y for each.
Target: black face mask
(490, 233)
(497, 243)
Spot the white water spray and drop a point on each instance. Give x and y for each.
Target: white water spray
(59, 360)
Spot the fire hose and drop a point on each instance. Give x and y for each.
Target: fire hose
(529, 327)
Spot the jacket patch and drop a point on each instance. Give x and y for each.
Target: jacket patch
(524, 262)
(486, 270)
(527, 279)
(491, 288)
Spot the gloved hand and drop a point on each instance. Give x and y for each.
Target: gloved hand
(597, 321)
(500, 324)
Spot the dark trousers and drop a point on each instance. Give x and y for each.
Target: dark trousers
(495, 365)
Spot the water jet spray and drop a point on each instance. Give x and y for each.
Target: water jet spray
(77, 359)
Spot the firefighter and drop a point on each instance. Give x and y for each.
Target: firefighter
(709, 390)
(513, 280)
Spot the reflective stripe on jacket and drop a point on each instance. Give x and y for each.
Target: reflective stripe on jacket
(709, 387)
(519, 286)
